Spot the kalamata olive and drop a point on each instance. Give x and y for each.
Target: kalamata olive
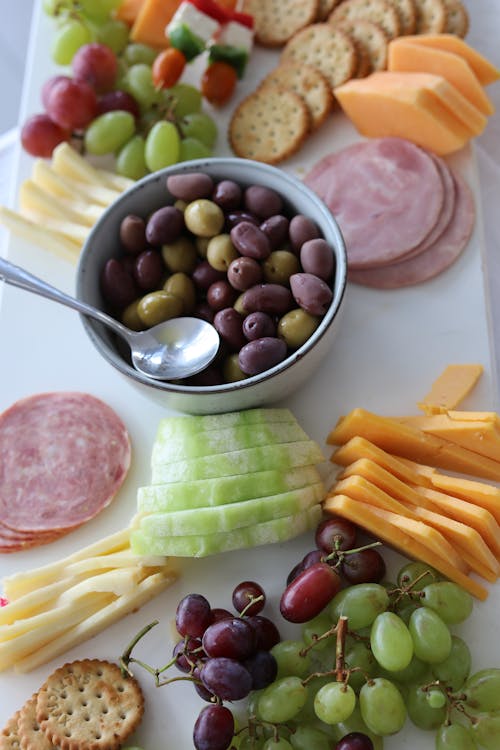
(158, 306)
(164, 225)
(311, 293)
(133, 234)
(272, 299)
(229, 324)
(204, 275)
(227, 195)
(276, 229)
(233, 218)
(316, 257)
(296, 327)
(280, 265)
(182, 286)
(204, 311)
(221, 252)
(243, 273)
(302, 229)
(190, 186)
(209, 376)
(250, 240)
(220, 294)
(259, 325)
(232, 370)
(262, 354)
(117, 285)
(262, 201)
(180, 255)
(149, 270)
(204, 218)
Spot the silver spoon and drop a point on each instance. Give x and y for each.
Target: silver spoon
(171, 350)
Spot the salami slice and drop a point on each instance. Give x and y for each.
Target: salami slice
(439, 256)
(63, 457)
(386, 195)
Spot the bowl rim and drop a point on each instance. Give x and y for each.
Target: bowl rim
(254, 380)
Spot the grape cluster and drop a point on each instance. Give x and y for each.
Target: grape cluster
(116, 100)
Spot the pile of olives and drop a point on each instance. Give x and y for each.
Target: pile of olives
(232, 256)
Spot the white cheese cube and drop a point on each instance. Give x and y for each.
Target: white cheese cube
(199, 23)
(236, 35)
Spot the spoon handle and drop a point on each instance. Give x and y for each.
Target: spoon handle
(18, 277)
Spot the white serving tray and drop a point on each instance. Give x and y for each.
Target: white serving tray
(391, 347)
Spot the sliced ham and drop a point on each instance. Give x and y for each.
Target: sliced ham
(63, 457)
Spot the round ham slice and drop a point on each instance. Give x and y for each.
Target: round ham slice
(386, 195)
(431, 262)
(63, 457)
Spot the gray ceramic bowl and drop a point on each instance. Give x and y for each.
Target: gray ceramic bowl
(149, 194)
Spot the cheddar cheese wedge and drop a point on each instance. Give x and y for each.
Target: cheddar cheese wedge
(451, 387)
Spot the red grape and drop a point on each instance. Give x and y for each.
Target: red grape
(335, 534)
(366, 566)
(193, 615)
(354, 741)
(243, 595)
(311, 558)
(214, 728)
(48, 85)
(96, 64)
(233, 638)
(263, 669)
(118, 99)
(71, 104)
(309, 593)
(40, 135)
(187, 653)
(219, 613)
(267, 634)
(228, 679)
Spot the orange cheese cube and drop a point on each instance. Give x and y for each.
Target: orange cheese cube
(151, 22)
(406, 57)
(128, 11)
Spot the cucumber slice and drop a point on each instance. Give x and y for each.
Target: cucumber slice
(238, 437)
(281, 457)
(225, 518)
(270, 532)
(202, 493)
(190, 425)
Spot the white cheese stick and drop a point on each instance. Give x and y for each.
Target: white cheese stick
(48, 239)
(66, 187)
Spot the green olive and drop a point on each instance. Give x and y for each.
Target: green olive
(221, 251)
(238, 305)
(156, 307)
(204, 218)
(279, 266)
(131, 318)
(296, 326)
(181, 205)
(180, 285)
(180, 256)
(202, 245)
(232, 370)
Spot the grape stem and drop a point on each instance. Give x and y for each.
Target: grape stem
(340, 554)
(252, 600)
(340, 670)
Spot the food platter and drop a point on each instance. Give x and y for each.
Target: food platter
(390, 348)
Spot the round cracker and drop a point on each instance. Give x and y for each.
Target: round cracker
(276, 21)
(269, 125)
(325, 7)
(372, 39)
(89, 705)
(30, 732)
(379, 11)
(9, 738)
(407, 15)
(431, 16)
(329, 50)
(309, 83)
(457, 18)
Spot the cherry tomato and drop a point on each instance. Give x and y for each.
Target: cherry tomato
(218, 83)
(168, 67)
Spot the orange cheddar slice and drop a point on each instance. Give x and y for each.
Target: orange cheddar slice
(359, 448)
(381, 526)
(485, 495)
(128, 11)
(485, 71)
(405, 56)
(477, 566)
(151, 22)
(450, 388)
(383, 479)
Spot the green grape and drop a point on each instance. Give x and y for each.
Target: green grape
(359, 655)
(334, 702)
(307, 713)
(277, 744)
(454, 670)
(307, 737)
(355, 723)
(316, 627)
(452, 603)
(162, 146)
(98, 10)
(454, 737)
(68, 39)
(416, 570)
(55, 8)
(360, 603)
(282, 700)
(486, 729)
(251, 743)
(420, 712)
(130, 161)
(416, 672)
(185, 99)
(139, 53)
(138, 81)
(482, 691)
(253, 702)
(391, 642)
(382, 707)
(289, 659)
(190, 148)
(431, 636)
(109, 132)
(436, 698)
(405, 609)
(201, 126)
(114, 34)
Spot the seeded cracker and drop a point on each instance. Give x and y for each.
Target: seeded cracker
(457, 18)
(9, 738)
(269, 125)
(309, 83)
(431, 16)
(325, 7)
(275, 21)
(407, 15)
(30, 732)
(378, 11)
(89, 705)
(329, 50)
(372, 39)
